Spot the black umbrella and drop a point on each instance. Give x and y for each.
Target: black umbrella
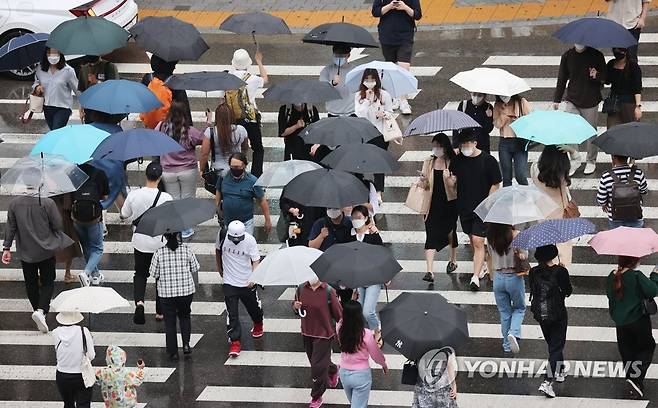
(345, 34)
(415, 323)
(326, 188)
(255, 23)
(169, 38)
(340, 131)
(302, 91)
(635, 139)
(361, 158)
(175, 216)
(439, 121)
(204, 81)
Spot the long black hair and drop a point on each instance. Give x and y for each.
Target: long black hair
(350, 334)
(553, 167)
(444, 141)
(45, 65)
(500, 237)
(173, 241)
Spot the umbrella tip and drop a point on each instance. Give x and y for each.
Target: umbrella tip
(425, 313)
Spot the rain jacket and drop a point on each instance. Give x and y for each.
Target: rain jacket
(118, 383)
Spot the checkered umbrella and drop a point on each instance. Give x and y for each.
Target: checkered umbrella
(553, 232)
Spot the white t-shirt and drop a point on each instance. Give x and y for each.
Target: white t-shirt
(238, 136)
(136, 204)
(69, 348)
(254, 82)
(626, 12)
(237, 259)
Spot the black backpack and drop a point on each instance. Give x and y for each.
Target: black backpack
(626, 199)
(87, 200)
(545, 297)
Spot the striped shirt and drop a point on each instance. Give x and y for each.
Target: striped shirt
(604, 194)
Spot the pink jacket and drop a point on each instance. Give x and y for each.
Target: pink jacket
(360, 359)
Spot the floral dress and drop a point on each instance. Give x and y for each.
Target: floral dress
(118, 383)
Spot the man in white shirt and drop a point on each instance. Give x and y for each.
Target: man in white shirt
(631, 14)
(136, 204)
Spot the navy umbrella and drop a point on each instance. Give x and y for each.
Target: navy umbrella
(634, 139)
(344, 34)
(175, 216)
(204, 81)
(326, 188)
(169, 38)
(23, 51)
(302, 91)
(553, 232)
(361, 158)
(117, 96)
(340, 131)
(255, 23)
(596, 33)
(438, 121)
(134, 143)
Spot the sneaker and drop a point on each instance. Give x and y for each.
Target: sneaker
(428, 277)
(40, 320)
(333, 378)
(380, 200)
(547, 389)
(451, 267)
(97, 280)
(257, 330)
(187, 233)
(475, 283)
(636, 388)
(84, 279)
(513, 344)
(560, 377)
(316, 403)
(234, 349)
(173, 357)
(187, 350)
(405, 109)
(139, 317)
(589, 168)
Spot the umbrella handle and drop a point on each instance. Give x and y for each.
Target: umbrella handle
(301, 313)
(386, 290)
(253, 36)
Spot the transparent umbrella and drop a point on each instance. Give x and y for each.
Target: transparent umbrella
(514, 205)
(42, 175)
(280, 174)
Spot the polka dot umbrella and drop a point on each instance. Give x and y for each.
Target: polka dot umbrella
(553, 232)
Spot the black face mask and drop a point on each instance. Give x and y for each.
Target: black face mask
(237, 173)
(236, 240)
(619, 54)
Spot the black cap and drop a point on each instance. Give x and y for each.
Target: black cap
(153, 171)
(546, 253)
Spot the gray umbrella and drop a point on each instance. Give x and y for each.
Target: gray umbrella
(361, 158)
(302, 91)
(439, 121)
(169, 38)
(255, 23)
(634, 139)
(175, 216)
(204, 81)
(326, 188)
(340, 131)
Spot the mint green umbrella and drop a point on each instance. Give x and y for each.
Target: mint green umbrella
(553, 128)
(88, 36)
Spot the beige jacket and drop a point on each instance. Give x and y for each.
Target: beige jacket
(449, 181)
(505, 114)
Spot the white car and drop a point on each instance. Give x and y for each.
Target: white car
(18, 17)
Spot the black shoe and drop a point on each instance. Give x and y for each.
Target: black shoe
(451, 267)
(428, 277)
(173, 357)
(187, 349)
(139, 317)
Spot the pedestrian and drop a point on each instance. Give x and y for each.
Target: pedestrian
(334, 228)
(627, 288)
(436, 385)
(320, 308)
(357, 346)
(117, 382)
(66, 255)
(397, 28)
(243, 103)
(72, 342)
(631, 14)
(512, 151)
(173, 267)
(292, 120)
(237, 258)
(549, 284)
(299, 219)
(334, 74)
(508, 284)
(441, 220)
(221, 139)
(95, 71)
(582, 73)
(55, 80)
(625, 99)
(144, 246)
(620, 195)
(482, 112)
(179, 169)
(478, 176)
(155, 81)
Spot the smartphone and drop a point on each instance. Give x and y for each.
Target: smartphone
(140, 362)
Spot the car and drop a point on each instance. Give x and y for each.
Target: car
(42, 16)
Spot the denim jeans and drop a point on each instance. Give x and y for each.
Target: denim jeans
(56, 117)
(512, 149)
(368, 298)
(628, 223)
(249, 226)
(91, 240)
(356, 384)
(509, 291)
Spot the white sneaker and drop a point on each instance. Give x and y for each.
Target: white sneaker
(84, 279)
(513, 344)
(475, 283)
(547, 389)
(187, 233)
(97, 280)
(405, 108)
(40, 320)
(589, 168)
(396, 103)
(560, 377)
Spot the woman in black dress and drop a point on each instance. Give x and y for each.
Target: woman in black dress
(292, 120)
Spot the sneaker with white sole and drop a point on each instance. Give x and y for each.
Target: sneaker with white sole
(547, 388)
(84, 279)
(97, 280)
(513, 344)
(475, 283)
(560, 377)
(40, 320)
(589, 168)
(405, 108)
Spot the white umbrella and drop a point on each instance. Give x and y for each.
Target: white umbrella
(515, 205)
(88, 299)
(492, 81)
(281, 173)
(396, 80)
(286, 267)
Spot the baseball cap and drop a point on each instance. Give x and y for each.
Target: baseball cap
(236, 229)
(153, 171)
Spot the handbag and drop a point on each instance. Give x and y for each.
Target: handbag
(33, 104)
(647, 305)
(419, 199)
(570, 207)
(391, 130)
(521, 266)
(409, 373)
(611, 104)
(209, 174)
(86, 369)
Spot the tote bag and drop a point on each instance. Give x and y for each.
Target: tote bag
(86, 369)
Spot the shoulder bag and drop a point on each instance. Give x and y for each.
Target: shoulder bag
(33, 104)
(611, 104)
(409, 373)
(521, 266)
(570, 207)
(86, 369)
(209, 174)
(648, 305)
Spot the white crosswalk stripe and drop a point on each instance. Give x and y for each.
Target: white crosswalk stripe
(47, 373)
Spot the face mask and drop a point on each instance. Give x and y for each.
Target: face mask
(476, 99)
(334, 213)
(313, 281)
(467, 151)
(619, 54)
(505, 99)
(237, 173)
(369, 84)
(236, 240)
(53, 60)
(358, 223)
(340, 61)
(437, 151)
(579, 47)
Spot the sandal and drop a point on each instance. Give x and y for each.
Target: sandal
(451, 267)
(428, 277)
(70, 279)
(379, 339)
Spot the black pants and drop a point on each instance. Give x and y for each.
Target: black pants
(142, 265)
(249, 298)
(72, 389)
(177, 307)
(636, 345)
(318, 352)
(39, 272)
(256, 142)
(633, 50)
(379, 178)
(555, 334)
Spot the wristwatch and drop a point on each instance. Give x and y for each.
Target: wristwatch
(638, 106)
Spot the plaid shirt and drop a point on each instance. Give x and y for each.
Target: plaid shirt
(173, 271)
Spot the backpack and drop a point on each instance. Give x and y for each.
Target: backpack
(238, 101)
(87, 200)
(545, 297)
(626, 200)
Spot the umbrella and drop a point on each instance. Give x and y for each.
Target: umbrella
(626, 241)
(88, 299)
(415, 323)
(595, 32)
(175, 216)
(302, 91)
(75, 143)
(119, 96)
(492, 81)
(326, 188)
(553, 127)
(396, 80)
(345, 34)
(439, 121)
(635, 139)
(23, 51)
(255, 23)
(286, 267)
(553, 232)
(515, 205)
(169, 38)
(42, 175)
(361, 158)
(204, 81)
(340, 131)
(134, 143)
(356, 265)
(88, 36)
(280, 174)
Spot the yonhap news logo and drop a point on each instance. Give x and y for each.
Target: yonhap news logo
(519, 368)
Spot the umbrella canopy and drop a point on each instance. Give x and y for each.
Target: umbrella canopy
(88, 36)
(280, 174)
(439, 121)
(286, 267)
(515, 205)
(491, 81)
(302, 91)
(169, 38)
(76, 143)
(553, 232)
(42, 175)
(361, 158)
(415, 323)
(340, 131)
(356, 265)
(23, 51)
(204, 81)
(345, 34)
(175, 216)
(396, 80)
(326, 188)
(553, 127)
(627, 241)
(255, 23)
(88, 299)
(595, 32)
(119, 96)
(635, 139)
(134, 143)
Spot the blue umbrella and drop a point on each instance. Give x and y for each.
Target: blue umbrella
(396, 80)
(75, 142)
(134, 143)
(553, 127)
(118, 96)
(553, 232)
(23, 51)
(596, 33)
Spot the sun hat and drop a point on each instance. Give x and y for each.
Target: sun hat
(69, 318)
(241, 59)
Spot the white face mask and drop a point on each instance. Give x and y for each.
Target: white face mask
(358, 223)
(313, 281)
(476, 99)
(334, 213)
(437, 151)
(340, 61)
(467, 151)
(53, 59)
(579, 47)
(505, 99)
(369, 84)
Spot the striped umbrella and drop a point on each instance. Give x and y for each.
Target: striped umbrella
(553, 232)
(438, 121)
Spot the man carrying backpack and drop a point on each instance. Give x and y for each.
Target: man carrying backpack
(620, 195)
